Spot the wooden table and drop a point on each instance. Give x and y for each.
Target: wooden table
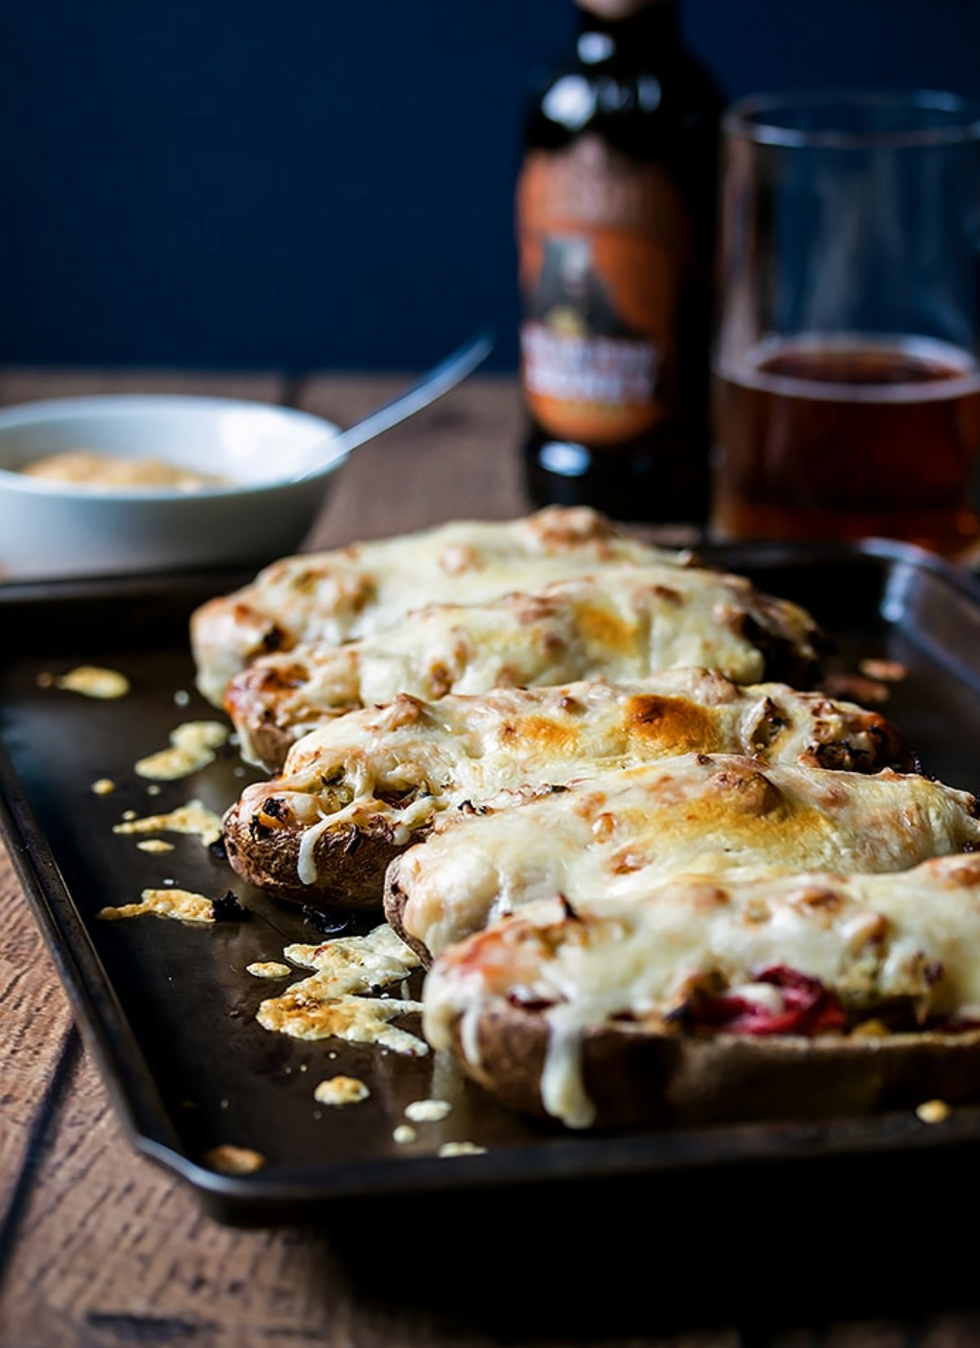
(101, 1249)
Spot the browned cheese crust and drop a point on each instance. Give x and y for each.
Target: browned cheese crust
(331, 597)
(622, 624)
(615, 834)
(365, 786)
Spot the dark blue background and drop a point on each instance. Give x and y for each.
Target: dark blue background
(302, 184)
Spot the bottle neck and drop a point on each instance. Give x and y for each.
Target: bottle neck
(608, 27)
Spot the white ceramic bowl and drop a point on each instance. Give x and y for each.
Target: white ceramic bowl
(57, 529)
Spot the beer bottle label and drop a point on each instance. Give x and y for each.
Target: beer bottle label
(605, 244)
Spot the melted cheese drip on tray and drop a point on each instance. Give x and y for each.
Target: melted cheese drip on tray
(90, 681)
(358, 1020)
(194, 818)
(193, 746)
(182, 904)
(340, 1090)
(331, 1002)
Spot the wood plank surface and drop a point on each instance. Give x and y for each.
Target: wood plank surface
(28, 383)
(100, 1248)
(455, 459)
(37, 1025)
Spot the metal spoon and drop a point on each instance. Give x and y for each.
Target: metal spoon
(439, 380)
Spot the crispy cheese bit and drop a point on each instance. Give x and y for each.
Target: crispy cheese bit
(355, 963)
(192, 746)
(340, 1091)
(460, 1149)
(870, 1029)
(181, 904)
(332, 1001)
(357, 1020)
(193, 818)
(933, 1111)
(889, 671)
(89, 680)
(103, 787)
(427, 1111)
(228, 907)
(228, 1159)
(856, 688)
(155, 845)
(268, 969)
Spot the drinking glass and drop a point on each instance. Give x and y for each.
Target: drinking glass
(845, 376)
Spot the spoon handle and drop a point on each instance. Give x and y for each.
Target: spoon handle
(439, 380)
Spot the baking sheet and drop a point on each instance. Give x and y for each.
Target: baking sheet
(169, 1010)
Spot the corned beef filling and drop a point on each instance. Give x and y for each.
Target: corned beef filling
(804, 1006)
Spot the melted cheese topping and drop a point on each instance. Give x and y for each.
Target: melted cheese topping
(870, 939)
(348, 593)
(192, 747)
(614, 833)
(625, 625)
(389, 771)
(182, 904)
(194, 818)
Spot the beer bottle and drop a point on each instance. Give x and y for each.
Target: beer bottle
(616, 202)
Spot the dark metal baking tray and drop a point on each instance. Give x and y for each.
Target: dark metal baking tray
(169, 1011)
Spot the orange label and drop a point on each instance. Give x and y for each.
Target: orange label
(604, 247)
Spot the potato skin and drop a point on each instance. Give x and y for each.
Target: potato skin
(357, 859)
(393, 902)
(637, 1078)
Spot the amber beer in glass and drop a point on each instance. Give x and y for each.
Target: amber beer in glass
(846, 383)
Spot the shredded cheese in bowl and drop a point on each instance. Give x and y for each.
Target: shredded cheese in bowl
(87, 468)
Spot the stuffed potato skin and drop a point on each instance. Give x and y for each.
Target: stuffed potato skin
(620, 624)
(614, 835)
(344, 594)
(714, 999)
(369, 784)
